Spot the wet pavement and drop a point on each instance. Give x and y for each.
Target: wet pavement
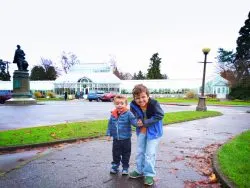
(87, 164)
(51, 112)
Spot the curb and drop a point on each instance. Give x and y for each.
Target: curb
(13, 148)
(226, 105)
(221, 105)
(225, 182)
(175, 104)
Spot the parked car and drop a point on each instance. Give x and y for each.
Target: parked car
(4, 96)
(95, 95)
(108, 97)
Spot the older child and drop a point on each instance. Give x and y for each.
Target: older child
(150, 115)
(119, 127)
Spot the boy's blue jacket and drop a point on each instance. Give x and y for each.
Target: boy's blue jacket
(153, 121)
(120, 127)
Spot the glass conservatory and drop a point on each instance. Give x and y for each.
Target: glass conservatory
(86, 77)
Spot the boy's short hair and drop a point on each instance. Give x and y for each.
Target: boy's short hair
(140, 88)
(121, 97)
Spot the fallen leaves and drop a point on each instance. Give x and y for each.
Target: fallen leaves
(177, 158)
(200, 183)
(173, 170)
(203, 164)
(53, 134)
(212, 178)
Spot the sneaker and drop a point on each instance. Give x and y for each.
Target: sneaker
(148, 180)
(124, 171)
(114, 169)
(134, 174)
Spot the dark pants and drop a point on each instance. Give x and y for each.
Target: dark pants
(121, 152)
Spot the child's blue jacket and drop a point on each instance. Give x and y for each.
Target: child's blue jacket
(153, 121)
(120, 127)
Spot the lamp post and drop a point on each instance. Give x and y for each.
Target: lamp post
(202, 99)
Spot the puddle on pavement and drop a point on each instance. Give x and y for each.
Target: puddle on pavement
(14, 160)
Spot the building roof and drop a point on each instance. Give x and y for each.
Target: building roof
(173, 84)
(101, 78)
(219, 81)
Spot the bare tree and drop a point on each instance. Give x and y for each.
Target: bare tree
(68, 60)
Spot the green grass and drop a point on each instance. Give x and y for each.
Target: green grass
(208, 101)
(234, 159)
(50, 99)
(86, 129)
(176, 117)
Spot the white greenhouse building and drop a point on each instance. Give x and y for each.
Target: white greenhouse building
(85, 77)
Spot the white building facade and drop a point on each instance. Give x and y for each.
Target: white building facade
(85, 77)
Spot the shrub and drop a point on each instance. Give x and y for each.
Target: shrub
(124, 91)
(212, 99)
(190, 95)
(240, 92)
(50, 94)
(211, 95)
(38, 94)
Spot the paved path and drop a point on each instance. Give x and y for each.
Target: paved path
(86, 164)
(52, 112)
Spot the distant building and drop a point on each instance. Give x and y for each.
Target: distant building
(85, 77)
(88, 76)
(218, 86)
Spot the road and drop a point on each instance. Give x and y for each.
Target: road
(13, 117)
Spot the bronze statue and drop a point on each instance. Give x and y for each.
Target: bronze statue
(19, 59)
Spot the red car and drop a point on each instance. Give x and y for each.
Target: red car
(4, 96)
(108, 97)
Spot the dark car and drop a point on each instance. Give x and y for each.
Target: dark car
(4, 96)
(95, 95)
(108, 97)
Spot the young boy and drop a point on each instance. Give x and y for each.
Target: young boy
(150, 115)
(119, 127)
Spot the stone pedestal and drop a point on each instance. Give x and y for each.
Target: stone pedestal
(201, 104)
(21, 89)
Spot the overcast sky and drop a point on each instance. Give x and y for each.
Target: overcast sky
(130, 30)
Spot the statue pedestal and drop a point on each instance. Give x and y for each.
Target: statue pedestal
(21, 89)
(201, 104)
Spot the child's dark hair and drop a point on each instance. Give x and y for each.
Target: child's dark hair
(138, 89)
(121, 97)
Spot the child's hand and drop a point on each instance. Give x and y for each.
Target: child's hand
(108, 138)
(139, 122)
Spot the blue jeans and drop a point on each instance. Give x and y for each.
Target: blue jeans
(146, 155)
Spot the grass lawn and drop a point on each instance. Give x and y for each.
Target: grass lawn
(86, 129)
(234, 159)
(50, 99)
(208, 101)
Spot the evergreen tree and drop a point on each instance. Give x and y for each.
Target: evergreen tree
(45, 71)
(4, 75)
(234, 66)
(140, 76)
(38, 73)
(134, 77)
(243, 41)
(226, 65)
(243, 51)
(51, 73)
(164, 76)
(154, 67)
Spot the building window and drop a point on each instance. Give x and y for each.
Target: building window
(223, 90)
(218, 90)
